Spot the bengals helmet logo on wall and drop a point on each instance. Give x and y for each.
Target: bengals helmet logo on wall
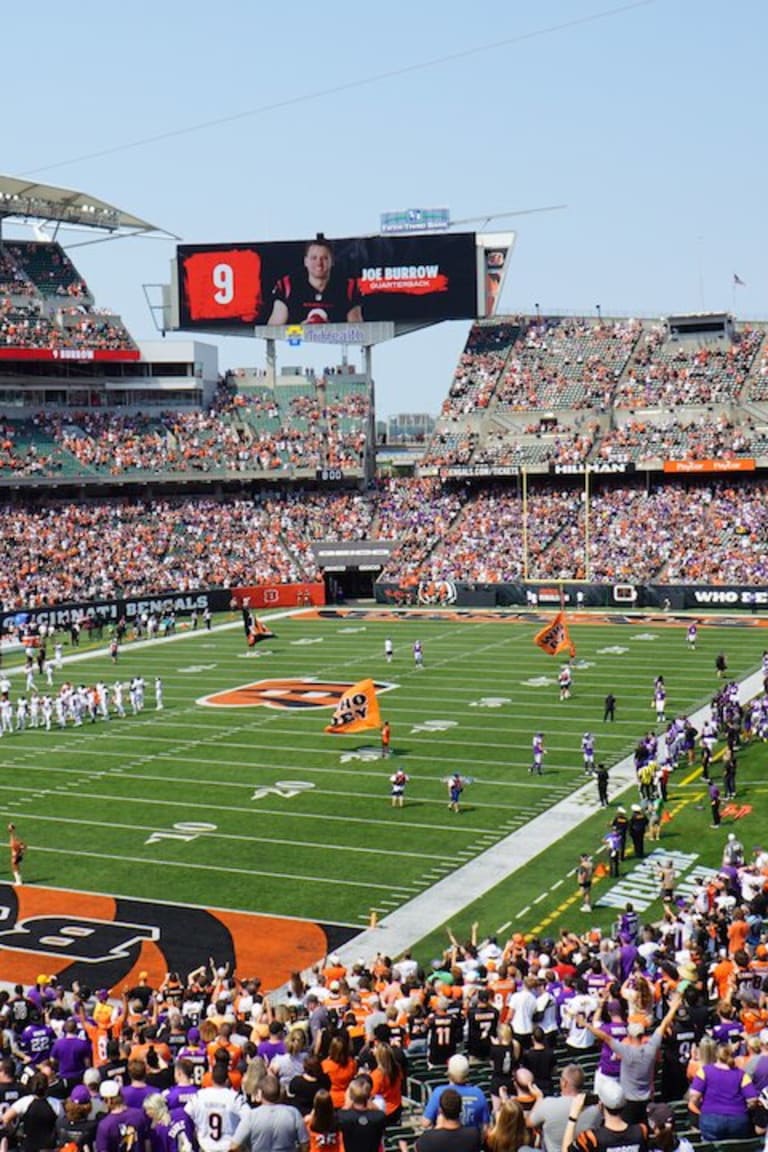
(437, 592)
(303, 693)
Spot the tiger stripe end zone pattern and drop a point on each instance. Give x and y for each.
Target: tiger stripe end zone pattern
(384, 614)
(298, 693)
(105, 941)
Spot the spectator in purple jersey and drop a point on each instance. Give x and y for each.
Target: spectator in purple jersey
(726, 1028)
(723, 1095)
(168, 1134)
(562, 993)
(196, 1053)
(73, 1054)
(628, 955)
(122, 1129)
(609, 1064)
(274, 1046)
(42, 994)
(629, 924)
(184, 1087)
(36, 1042)
(596, 977)
(136, 1091)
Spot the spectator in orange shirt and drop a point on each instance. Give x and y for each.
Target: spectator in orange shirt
(737, 932)
(721, 974)
(223, 1040)
(387, 1081)
(340, 1068)
(222, 1060)
(139, 1051)
(322, 1125)
(334, 969)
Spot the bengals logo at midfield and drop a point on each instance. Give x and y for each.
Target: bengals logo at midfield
(303, 693)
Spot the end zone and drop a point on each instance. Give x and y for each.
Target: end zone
(105, 941)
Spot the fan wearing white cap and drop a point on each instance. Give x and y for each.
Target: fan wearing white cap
(474, 1104)
(121, 1123)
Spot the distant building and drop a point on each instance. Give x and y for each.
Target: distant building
(405, 427)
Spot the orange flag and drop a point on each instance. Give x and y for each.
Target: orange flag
(554, 637)
(255, 631)
(357, 710)
(261, 631)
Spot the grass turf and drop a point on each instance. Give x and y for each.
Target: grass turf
(199, 805)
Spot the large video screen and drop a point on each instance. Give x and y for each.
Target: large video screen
(373, 278)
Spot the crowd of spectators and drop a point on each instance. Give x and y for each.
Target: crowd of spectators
(566, 363)
(55, 310)
(485, 543)
(670, 374)
(567, 444)
(47, 266)
(448, 448)
(707, 438)
(480, 366)
(417, 514)
(672, 533)
(27, 325)
(217, 440)
(20, 456)
(13, 282)
(83, 551)
(600, 366)
(22, 325)
(758, 382)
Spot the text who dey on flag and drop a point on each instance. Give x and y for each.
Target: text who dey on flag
(357, 710)
(554, 637)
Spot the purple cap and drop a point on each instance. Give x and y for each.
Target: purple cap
(80, 1095)
(102, 994)
(193, 1035)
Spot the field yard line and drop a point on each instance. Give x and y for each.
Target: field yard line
(117, 773)
(339, 769)
(324, 846)
(404, 927)
(111, 796)
(315, 879)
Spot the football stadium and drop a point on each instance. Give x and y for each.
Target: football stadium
(369, 781)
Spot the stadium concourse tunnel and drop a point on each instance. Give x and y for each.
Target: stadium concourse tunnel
(349, 584)
(350, 569)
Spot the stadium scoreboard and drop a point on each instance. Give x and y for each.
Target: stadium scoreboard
(273, 288)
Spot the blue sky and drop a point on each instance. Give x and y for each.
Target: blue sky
(648, 124)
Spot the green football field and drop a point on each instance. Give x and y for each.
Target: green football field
(257, 809)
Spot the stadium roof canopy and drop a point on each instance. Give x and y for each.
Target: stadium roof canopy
(27, 200)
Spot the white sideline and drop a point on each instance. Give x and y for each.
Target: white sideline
(90, 653)
(402, 929)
